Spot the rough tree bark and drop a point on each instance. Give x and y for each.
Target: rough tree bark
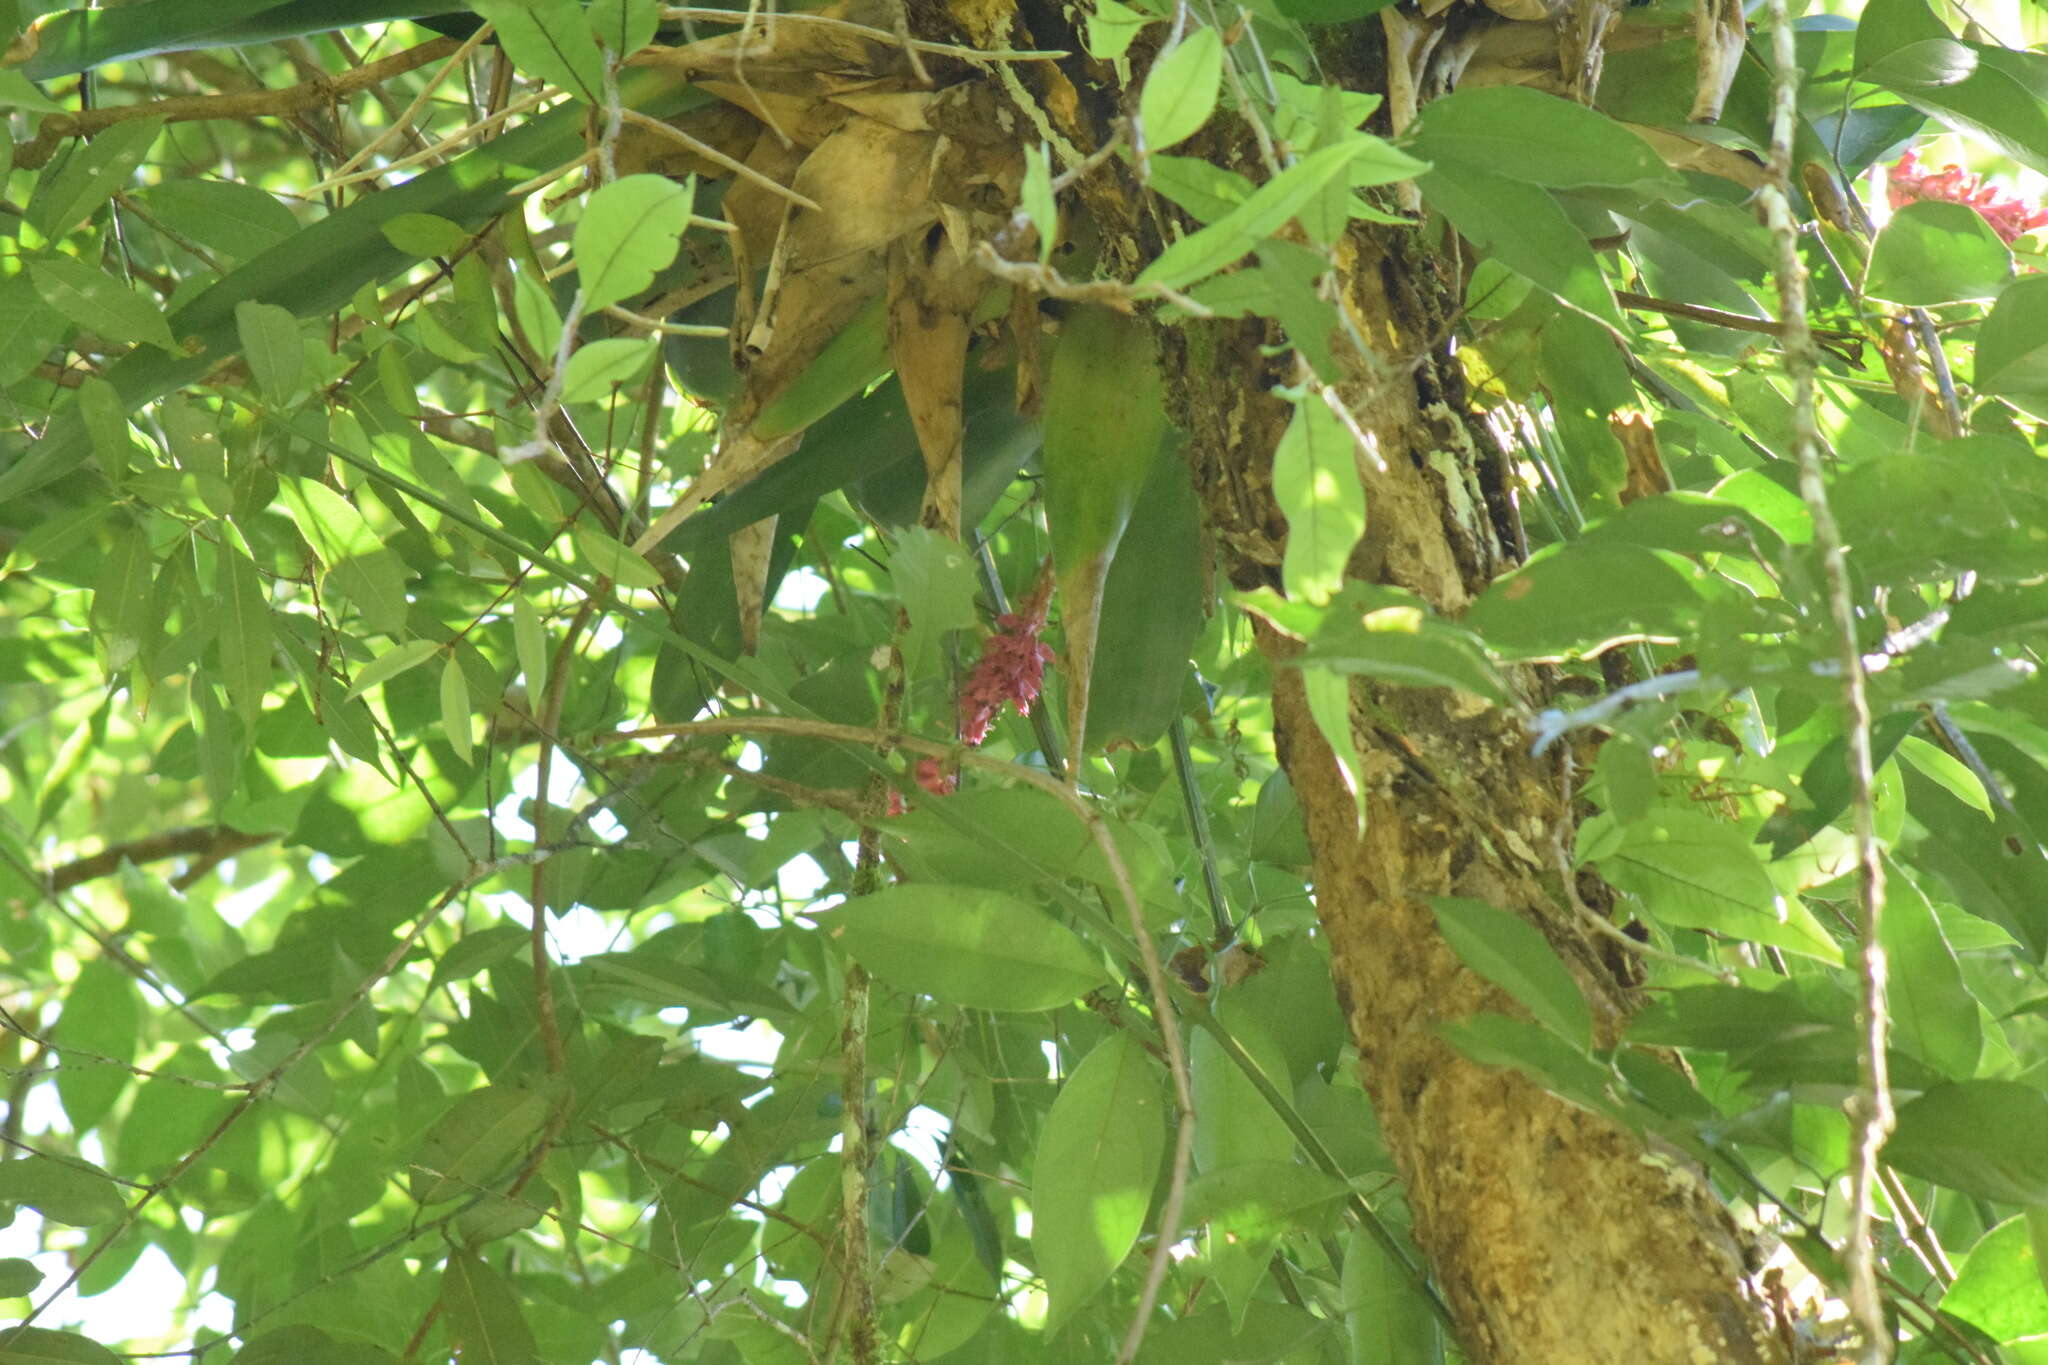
(1553, 1234)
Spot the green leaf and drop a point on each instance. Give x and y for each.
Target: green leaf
(1207, 191)
(74, 1192)
(18, 1277)
(1035, 197)
(529, 642)
(477, 1141)
(934, 581)
(1514, 955)
(1584, 596)
(1204, 252)
(424, 234)
(391, 663)
(29, 327)
(37, 1346)
(598, 368)
(455, 709)
(1386, 1314)
(1998, 1288)
(1181, 89)
(1235, 1125)
(967, 946)
(484, 1319)
(1261, 1200)
(230, 218)
(102, 1019)
(613, 559)
(99, 303)
(1695, 872)
(1498, 1041)
(1317, 486)
(124, 597)
(1391, 635)
(1931, 253)
(1522, 226)
(1524, 134)
(270, 342)
(630, 229)
(1152, 611)
(625, 26)
(1979, 1137)
(2012, 346)
(1934, 1015)
(551, 40)
(245, 633)
(71, 191)
(330, 523)
(1092, 1177)
(1111, 29)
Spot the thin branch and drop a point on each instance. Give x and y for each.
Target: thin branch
(293, 99)
(880, 35)
(198, 841)
(1870, 1108)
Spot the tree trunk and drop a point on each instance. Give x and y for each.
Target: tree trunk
(1553, 1234)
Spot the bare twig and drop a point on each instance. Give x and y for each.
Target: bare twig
(1870, 1108)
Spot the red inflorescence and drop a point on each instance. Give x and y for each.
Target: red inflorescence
(1011, 668)
(1010, 672)
(2010, 216)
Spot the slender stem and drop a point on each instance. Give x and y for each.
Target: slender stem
(1198, 825)
(1870, 1108)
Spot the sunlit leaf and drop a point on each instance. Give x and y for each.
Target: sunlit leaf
(966, 945)
(1095, 1166)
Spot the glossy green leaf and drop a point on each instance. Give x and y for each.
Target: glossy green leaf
(1095, 1166)
(630, 229)
(1111, 29)
(1181, 89)
(965, 945)
(1514, 955)
(1235, 1125)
